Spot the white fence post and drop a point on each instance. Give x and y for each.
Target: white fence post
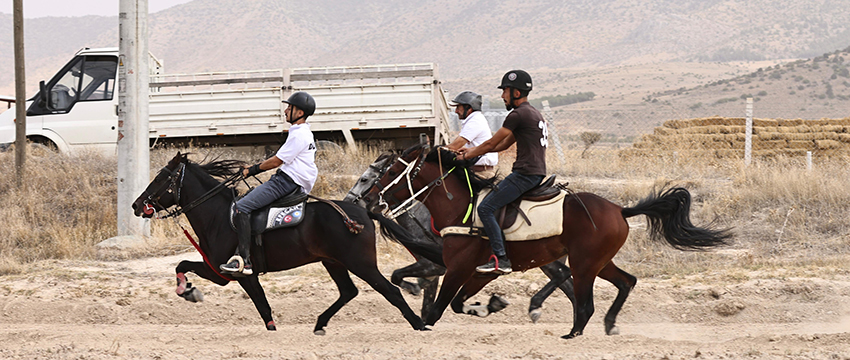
(748, 141)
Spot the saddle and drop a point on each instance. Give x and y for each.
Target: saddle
(541, 206)
(507, 215)
(287, 211)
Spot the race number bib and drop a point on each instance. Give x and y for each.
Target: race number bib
(544, 141)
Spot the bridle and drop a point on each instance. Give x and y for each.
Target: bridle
(174, 185)
(409, 173)
(380, 170)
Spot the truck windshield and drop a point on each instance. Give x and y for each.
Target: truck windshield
(87, 79)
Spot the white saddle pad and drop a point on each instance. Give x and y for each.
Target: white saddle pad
(547, 219)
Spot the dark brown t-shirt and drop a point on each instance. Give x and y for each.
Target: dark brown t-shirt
(532, 138)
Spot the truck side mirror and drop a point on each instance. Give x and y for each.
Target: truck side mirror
(44, 97)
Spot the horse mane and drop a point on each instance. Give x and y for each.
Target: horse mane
(450, 160)
(217, 168)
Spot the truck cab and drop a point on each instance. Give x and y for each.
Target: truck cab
(76, 108)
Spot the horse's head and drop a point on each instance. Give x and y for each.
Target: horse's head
(394, 183)
(369, 178)
(162, 192)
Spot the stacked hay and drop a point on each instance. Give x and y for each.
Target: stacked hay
(725, 137)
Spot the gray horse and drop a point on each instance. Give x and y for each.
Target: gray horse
(417, 221)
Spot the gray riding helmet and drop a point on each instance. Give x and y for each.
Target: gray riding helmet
(467, 98)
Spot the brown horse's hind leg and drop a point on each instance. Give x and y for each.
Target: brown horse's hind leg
(347, 291)
(624, 283)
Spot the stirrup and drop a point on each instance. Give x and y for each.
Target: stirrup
(237, 259)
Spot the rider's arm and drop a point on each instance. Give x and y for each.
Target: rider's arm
(457, 144)
(502, 139)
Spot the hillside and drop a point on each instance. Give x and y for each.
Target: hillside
(647, 62)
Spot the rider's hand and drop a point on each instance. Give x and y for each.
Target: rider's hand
(461, 153)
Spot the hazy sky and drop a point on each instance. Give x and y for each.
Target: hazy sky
(41, 8)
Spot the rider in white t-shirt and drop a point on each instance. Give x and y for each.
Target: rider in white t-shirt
(474, 131)
(297, 171)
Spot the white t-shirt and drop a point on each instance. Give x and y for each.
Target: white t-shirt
(298, 154)
(476, 131)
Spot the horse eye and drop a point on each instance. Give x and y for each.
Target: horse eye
(364, 179)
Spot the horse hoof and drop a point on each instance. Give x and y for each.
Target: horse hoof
(425, 328)
(411, 288)
(270, 326)
(193, 294)
(320, 332)
(571, 335)
(613, 331)
(535, 315)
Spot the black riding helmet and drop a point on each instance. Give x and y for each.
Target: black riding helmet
(516, 79)
(303, 101)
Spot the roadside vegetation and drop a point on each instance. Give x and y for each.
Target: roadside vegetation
(787, 220)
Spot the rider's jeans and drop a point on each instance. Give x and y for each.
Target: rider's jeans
(277, 187)
(505, 192)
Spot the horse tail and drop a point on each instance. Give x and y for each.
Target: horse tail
(397, 233)
(668, 212)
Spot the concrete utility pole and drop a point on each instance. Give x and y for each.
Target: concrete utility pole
(133, 80)
(20, 95)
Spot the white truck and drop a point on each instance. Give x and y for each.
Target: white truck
(77, 108)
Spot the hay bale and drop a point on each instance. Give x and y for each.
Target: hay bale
(765, 122)
(803, 145)
(845, 138)
(769, 144)
(791, 122)
(827, 144)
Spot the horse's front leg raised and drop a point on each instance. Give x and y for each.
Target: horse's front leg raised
(185, 288)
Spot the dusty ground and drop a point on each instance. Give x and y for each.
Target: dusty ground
(128, 310)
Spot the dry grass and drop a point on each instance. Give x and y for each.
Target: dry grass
(787, 220)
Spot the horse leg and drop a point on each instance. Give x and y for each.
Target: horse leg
(429, 292)
(251, 285)
(373, 277)
(452, 281)
(624, 282)
(347, 291)
(472, 287)
(583, 306)
(559, 277)
(421, 268)
(185, 288)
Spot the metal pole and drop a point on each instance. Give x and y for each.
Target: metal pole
(748, 139)
(133, 80)
(20, 95)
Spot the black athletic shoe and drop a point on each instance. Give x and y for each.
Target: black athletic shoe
(231, 267)
(496, 265)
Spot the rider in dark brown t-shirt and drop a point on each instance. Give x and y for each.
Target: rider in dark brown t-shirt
(525, 127)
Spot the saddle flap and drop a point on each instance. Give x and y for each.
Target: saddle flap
(284, 212)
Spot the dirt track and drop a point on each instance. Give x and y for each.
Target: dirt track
(128, 310)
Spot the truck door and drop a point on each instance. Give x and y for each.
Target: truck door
(81, 106)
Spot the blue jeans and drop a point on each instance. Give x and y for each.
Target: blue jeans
(278, 186)
(505, 192)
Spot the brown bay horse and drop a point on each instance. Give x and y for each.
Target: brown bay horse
(594, 230)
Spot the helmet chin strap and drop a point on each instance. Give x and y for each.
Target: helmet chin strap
(291, 114)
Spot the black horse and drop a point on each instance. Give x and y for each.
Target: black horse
(321, 237)
(417, 221)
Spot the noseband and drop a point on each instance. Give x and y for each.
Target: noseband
(172, 185)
